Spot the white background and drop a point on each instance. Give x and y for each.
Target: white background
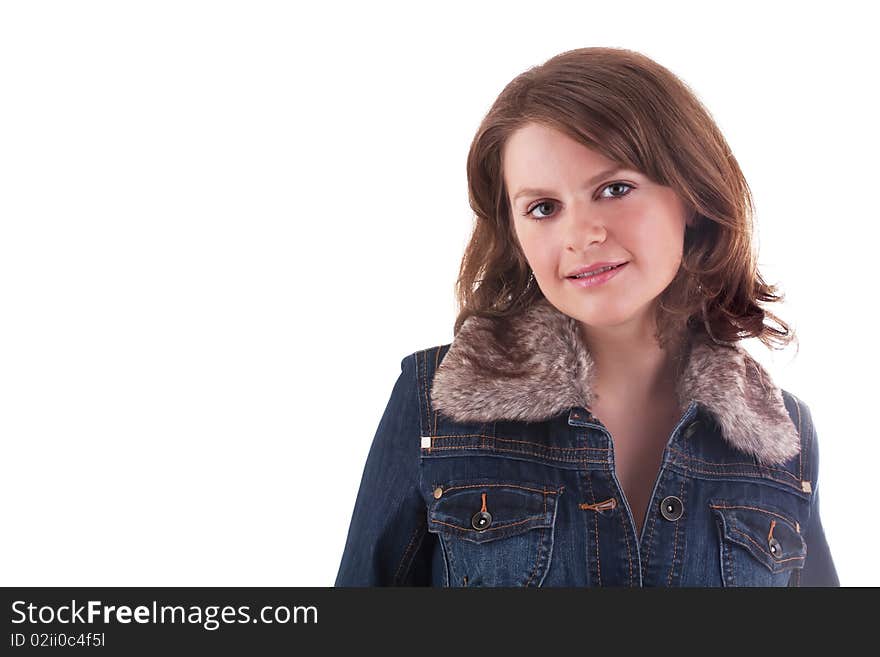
(223, 225)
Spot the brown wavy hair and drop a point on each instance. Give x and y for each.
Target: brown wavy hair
(640, 115)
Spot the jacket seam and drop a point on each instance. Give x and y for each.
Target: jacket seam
(422, 377)
(525, 442)
(436, 365)
(675, 536)
(725, 473)
(540, 544)
(801, 438)
(596, 532)
(409, 552)
(688, 457)
(792, 523)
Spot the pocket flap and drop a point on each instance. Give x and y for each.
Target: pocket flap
(481, 512)
(773, 538)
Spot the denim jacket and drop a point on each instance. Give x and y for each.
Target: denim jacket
(488, 469)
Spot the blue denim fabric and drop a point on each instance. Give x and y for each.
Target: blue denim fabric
(538, 504)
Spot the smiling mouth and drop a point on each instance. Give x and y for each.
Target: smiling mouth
(597, 272)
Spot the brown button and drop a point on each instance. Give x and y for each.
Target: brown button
(438, 492)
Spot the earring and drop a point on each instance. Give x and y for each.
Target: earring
(531, 278)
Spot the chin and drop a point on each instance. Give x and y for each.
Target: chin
(600, 314)
(605, 322)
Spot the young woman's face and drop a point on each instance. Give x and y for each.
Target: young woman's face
(583, 215)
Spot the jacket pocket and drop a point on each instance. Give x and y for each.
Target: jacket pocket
(494, 534)
(760, 545)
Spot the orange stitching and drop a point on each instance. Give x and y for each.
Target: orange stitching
(484, 503)
(654, 515)
(722, 464)
(675, 537)
(754, 473)
(540, 543)
(423, 384)
(535, 569)
(628, 550)
(516, 451)
(491, 529)
(596, 525)
(416, 533)
(436, 365)
(524, 442)
(744, 474)
(551, 447)
(761, 548)
(754, 508)
(772, 525)
(730, 565)
(534, 490)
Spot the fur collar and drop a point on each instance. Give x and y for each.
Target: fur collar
(535, 366)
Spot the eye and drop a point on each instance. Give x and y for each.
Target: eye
(544, 202)
(617, 184)
(537, 205)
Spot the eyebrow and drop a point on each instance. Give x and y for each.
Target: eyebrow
(531, 191)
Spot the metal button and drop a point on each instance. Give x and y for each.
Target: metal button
(438, 492)
(481, 520)
(775, 547)
(671, 507)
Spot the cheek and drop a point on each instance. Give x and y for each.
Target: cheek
(537, 249)
(524, 237)
(674, 240)
(659, 241)
(543, 261)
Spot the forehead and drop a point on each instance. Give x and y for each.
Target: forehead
(539, 159)
(536, 149)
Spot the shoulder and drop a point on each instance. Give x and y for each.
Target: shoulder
(436, 352)
(424, 363)
(415, 381)
(802, 418)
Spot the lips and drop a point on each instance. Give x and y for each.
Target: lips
(604, 271)
(596, 280)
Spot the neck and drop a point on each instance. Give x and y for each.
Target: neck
(631, 366)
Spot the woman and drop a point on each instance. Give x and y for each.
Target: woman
(594, 421)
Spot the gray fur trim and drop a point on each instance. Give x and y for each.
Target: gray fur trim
(535, 366)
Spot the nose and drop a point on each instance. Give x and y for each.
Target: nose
(585, 227)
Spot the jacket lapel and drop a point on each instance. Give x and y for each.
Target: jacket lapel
(535, 366)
